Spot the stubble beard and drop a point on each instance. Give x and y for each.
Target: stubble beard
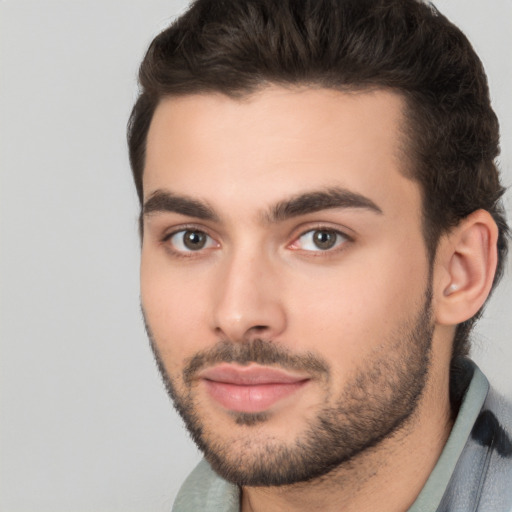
(377, 403)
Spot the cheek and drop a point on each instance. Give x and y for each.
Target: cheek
(174, 309)
(351, 310)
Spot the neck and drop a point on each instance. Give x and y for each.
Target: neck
(387, 477)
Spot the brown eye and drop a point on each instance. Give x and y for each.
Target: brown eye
(325, 239)
(194, 240)
(189, 240)
(318, 240)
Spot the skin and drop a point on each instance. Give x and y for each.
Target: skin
(260, 277)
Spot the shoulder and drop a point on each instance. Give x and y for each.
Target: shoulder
(204, 490)
(482, 480)
(477, 459)
(492, 434)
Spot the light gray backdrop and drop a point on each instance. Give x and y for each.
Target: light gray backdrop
(85, 423)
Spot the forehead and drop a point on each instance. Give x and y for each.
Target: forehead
(279, 142)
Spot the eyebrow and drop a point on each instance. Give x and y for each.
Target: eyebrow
(311, 202)
(164, 201)
(301, 204)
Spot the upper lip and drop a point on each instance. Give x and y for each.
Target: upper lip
(250, 375)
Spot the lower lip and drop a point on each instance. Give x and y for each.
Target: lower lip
(251, 398)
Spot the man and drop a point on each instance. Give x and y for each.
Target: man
(321, 226)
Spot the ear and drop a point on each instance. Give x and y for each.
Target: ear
(464, 268)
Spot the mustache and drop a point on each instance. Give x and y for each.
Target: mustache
(259, 351)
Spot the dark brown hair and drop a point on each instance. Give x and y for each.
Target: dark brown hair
(238, 46)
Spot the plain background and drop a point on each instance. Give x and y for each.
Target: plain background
(85, 422)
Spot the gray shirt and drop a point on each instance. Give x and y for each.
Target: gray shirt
(473, 473)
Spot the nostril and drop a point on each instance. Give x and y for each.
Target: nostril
(259, 328)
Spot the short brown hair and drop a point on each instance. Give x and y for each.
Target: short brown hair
(238, 46)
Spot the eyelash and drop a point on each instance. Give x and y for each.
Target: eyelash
(339, 245)
(184, 229)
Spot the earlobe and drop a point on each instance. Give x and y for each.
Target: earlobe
(467, 258)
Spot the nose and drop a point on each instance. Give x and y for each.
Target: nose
(248, 299)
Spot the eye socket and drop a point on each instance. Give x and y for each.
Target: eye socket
(320, 240)
(190, 240)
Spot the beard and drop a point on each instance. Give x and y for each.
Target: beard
(376, 403)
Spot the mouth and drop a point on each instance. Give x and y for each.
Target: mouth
(250, 389)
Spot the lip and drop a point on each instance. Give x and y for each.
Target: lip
(252, 388)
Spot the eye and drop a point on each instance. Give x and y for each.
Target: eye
(190, 240)
(320, 240)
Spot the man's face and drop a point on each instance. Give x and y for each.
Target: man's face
(284, 277)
